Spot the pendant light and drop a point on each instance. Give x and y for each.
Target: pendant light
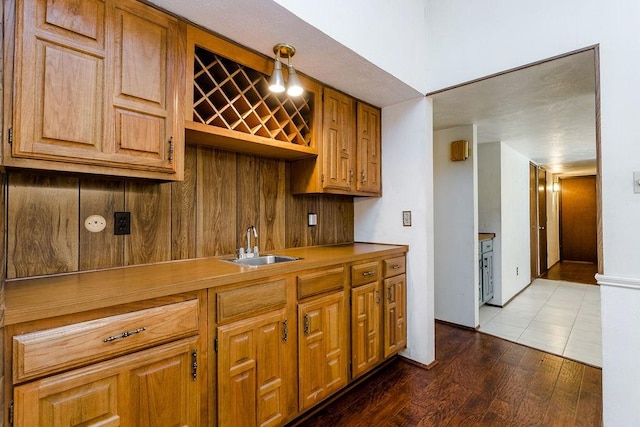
(276, 83)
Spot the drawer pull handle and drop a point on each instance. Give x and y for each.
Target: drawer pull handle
(307, 326)
(124, 335)
(368, 273)
(395, 267)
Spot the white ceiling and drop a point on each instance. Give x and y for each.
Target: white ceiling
(546, 112)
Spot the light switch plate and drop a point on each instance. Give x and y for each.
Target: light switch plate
(636, 182)
(406, 218)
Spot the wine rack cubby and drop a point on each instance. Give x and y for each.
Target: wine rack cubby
(233, 97)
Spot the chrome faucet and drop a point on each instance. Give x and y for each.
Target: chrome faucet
(249, 252)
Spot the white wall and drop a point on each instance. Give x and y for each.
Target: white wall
(468, 40)
(407, 186)
(490, 208)
(553, 222)
(516, 246)
(503, 206)
(455, 199)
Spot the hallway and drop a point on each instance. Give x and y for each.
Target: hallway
(559, 317)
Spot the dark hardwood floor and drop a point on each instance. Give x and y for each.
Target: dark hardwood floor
(479, 380)
(569, 271)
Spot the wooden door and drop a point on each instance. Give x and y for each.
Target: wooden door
(162, 387)
(365, 328)
(149, 388)
(322, 363)
(60, 77)
(146, 56)
(578, 219)
(338, 141)
(533, 220)
(542, 221)
(252, 382)
(368, 149)
(395, 314)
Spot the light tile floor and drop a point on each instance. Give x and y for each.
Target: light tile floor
(557, 317)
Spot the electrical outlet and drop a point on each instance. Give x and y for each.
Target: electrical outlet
(121, 223)
(95, 223)
(406, 218)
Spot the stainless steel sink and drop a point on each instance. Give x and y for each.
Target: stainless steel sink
(262, 260)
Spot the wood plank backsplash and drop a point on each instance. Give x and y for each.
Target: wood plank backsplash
(207, 214)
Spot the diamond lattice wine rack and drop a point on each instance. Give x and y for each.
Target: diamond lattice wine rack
(235, 101)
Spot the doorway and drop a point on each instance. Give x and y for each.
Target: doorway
(538, 220)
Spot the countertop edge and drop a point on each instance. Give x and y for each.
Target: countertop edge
(29, 299)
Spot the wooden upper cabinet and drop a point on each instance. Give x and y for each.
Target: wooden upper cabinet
(229, 105)
(148, 60)
(368, 149)
(338, 144)
(349, 151)
(97, 88)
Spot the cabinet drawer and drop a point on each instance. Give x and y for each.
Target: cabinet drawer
(44, 352)
(393, 266)
(486, 246)
(243, 301)
(320, 282)
(364, 273)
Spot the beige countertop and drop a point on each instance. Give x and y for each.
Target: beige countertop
(485, 236)
(29, 299)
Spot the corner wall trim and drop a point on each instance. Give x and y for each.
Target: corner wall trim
(618, 282)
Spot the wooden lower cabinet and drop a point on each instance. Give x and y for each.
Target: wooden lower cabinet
(395, 312)
(253, 385)
(155, 387)
(322, 348)
(365, 328)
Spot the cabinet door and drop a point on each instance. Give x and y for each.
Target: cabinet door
(59, 77)
(252, 383)
(149, 388)
(338, 141)
(365, 328)
(395, 311)
(143, 124)
(97, 87)
(368, 149)
(322, 351)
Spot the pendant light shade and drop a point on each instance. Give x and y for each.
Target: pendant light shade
(276, 83)
(294, 87)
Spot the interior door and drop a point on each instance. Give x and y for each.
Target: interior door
(542, 221)
(578, 219)
(533, 218)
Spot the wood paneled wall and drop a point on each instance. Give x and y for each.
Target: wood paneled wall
(205, 215)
